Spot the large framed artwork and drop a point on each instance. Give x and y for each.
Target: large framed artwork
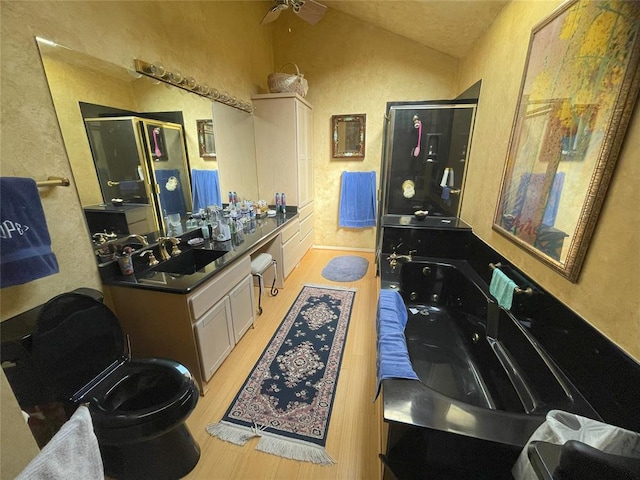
(580, 83)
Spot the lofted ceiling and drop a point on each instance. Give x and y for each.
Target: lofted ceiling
(449, 26)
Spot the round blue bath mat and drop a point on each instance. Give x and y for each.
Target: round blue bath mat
(346, 268)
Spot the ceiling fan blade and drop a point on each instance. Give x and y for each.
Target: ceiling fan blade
(311, 11)
(271, 15)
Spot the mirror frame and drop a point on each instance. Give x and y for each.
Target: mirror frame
(205, 131)
(607, 136)
(356, 150)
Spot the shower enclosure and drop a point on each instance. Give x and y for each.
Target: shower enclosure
(141, 161)
(424, 162)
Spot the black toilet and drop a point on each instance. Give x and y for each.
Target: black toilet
(138, 407)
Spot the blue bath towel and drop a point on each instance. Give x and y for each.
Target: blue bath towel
(171, 193)
(393, 358)
(25, 244)
(502, 288)
(205, 186)
(358, 200)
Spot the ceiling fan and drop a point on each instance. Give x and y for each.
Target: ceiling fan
(308, 10)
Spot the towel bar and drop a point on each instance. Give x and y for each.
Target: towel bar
(527, 291)
(54, 182)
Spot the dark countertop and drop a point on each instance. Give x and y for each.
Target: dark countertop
(149, 279)
(108, 207)
(409, 221)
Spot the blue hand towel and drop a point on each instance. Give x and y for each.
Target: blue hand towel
(502, 288)
(25, 244)
(171, 196)
(358, 200)
(393, 358)
(205, 186)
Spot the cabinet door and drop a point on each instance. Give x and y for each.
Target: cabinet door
(242, 307)
(215, 336)
(304, 117)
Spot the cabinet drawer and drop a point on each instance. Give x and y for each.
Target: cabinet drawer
(211, 293)
(304, 212)
(290, 230)
(306, 226)
(290, 254)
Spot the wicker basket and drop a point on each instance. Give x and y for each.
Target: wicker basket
(281, 82)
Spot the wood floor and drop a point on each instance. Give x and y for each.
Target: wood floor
(354, 434)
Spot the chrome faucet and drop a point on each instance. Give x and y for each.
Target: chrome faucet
(394, 258)
(163, 248)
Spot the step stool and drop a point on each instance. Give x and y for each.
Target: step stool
(259, 264)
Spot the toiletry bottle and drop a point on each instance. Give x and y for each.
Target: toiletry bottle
(277, 202)
(230, 198)
(284, 203)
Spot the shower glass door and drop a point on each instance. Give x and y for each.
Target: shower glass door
(143, 161)
(426, 147)
(166, 152)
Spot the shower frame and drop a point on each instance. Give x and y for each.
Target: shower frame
(456, 150)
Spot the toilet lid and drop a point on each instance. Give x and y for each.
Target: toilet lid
(76, 339)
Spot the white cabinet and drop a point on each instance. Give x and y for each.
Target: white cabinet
(283, 125)
(215, 337)
(296, 239)
(222, 326)
(222, 315)
(242, 307)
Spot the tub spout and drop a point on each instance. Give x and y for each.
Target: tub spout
(394, 258)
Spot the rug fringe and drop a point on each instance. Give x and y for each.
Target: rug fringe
(331, 287)
(229, 432)
(293, 450)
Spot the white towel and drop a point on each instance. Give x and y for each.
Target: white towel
(447, 178)
(72, 453)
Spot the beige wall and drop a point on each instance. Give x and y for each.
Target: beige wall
(607, 291)
(355, 68)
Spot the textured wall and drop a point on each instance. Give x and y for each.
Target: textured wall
(220, 43)
(354, 68)
(607, 291)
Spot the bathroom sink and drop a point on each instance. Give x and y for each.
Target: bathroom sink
(189, 261)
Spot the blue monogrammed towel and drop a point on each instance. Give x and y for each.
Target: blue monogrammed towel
(25, 245)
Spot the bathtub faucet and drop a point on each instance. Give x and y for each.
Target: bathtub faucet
(394, 258)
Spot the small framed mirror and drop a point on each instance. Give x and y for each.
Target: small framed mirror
(348, 135)
(206, 140)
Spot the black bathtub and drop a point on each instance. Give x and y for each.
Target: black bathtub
(485, 384)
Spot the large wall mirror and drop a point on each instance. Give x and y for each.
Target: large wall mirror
(578, 91)
(110, 115)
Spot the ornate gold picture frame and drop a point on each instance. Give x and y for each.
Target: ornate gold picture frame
(580, 82)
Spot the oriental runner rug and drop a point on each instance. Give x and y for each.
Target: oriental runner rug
(288, 397)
